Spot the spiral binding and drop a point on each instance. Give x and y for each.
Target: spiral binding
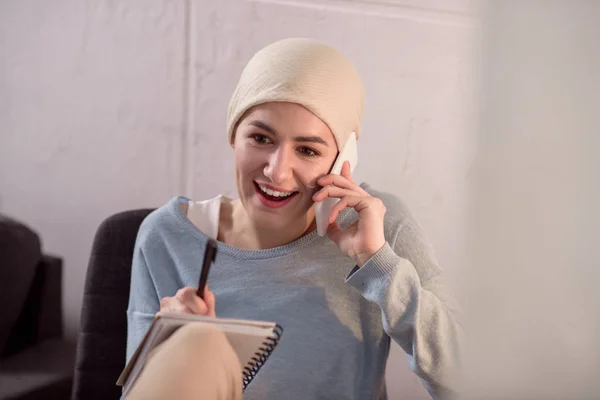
(260, 359)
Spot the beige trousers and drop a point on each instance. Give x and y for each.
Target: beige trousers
(196, 362)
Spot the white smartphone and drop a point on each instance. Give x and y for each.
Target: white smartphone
(323, 209)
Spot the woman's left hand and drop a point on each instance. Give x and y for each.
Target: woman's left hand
(361, 240)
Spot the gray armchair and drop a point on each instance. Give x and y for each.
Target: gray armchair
(36, 362)
(103, 328)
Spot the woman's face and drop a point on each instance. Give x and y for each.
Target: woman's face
(281, 149)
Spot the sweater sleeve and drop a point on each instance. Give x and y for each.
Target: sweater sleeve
(417, 311)
(144, 302)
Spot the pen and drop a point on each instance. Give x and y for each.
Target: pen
(209, 256)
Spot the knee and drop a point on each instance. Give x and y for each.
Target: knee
(198, 335)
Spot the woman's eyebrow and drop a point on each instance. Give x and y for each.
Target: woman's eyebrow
(262, 125)
(310, 139)
(301, 139)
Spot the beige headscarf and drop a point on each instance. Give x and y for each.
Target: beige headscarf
(306, 72)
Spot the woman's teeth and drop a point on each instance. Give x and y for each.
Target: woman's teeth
(274, 193)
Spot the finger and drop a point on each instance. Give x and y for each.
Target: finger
(192, 301)
(333, 191)
(337, 208)
(163, 303)
(172, 304)
(209, 299)
(340, 181)
(359, 203)
(355, 202)
(347, 171)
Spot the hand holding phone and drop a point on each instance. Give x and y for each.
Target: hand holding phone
(349, 152)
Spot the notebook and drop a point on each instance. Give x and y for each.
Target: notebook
(253, 341)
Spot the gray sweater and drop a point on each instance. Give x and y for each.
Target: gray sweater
(337, 319)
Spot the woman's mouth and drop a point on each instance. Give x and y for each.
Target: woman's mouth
(273, 198)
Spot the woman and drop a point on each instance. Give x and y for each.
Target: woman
(339, 298)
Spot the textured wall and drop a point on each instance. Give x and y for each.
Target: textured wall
(91, 100)
(99, 111)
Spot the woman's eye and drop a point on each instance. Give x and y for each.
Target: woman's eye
(261, 139)
(307, 151)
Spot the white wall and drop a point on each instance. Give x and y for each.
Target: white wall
(99, 111)
(532, 280)
(91, 110)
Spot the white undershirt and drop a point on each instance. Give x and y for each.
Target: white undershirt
(205, 214)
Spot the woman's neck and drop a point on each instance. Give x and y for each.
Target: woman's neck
(238, 230)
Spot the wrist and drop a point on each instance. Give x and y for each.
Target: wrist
(362, 258)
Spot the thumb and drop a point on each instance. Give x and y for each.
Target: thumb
(335, 232)
(194, 302)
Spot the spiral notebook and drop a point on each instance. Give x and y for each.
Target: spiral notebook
(253, 341)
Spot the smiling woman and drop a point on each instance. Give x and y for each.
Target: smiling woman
(295, 105)
(283, 148)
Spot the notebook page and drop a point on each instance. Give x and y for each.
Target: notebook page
(193, 317)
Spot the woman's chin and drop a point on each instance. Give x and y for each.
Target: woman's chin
(292, 215)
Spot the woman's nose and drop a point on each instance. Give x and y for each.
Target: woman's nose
(279, 166)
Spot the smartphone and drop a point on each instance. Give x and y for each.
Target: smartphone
(323, 209)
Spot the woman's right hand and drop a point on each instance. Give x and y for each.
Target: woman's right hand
(186, 301)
